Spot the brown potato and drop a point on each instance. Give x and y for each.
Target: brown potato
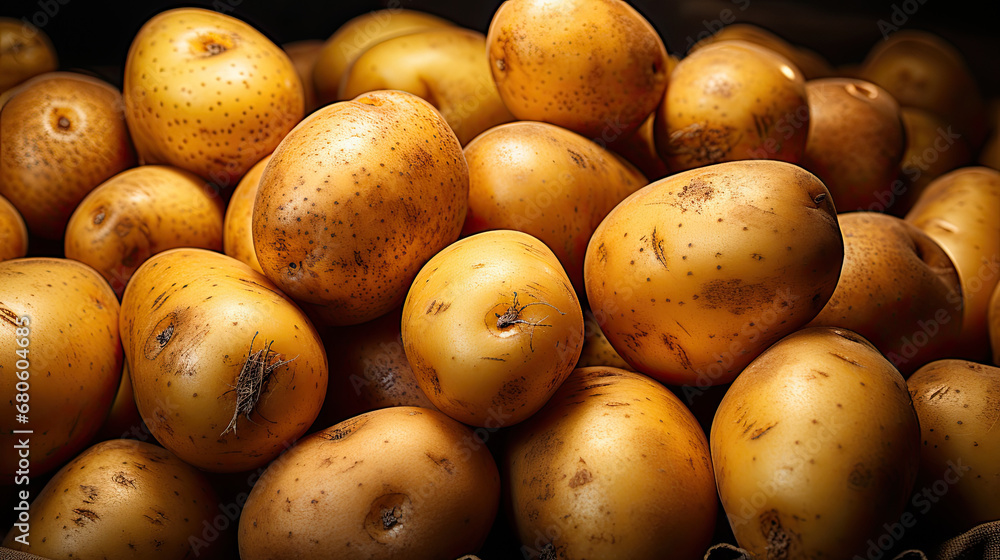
(237, 231)
(123, 419)
(993, 325)
(933, 148)
(303, 55)
(13, 232)
(597, 349)
(812, 65)
(639, 149)
(25, 51)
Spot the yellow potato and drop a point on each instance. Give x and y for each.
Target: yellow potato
(815, 447)
(695, 275)
(59, 347)
(613, 467)
(597, 349)
(237, 231)
(732, 100)
(13, 232)
(227, 371)
(548, 182)
(400, 482)
(25, 51)
(355, 200)
(812, 65)
(445, 66)
(141, 212)
(639, 148)
(303, 55)
(597, 68)
(491, 327)
(123, 419)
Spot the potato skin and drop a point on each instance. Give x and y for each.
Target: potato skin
(391, 483)
(933, 148)
(72, 377)
(812, 65)
(13, 232)
(551, 64)
(189, 319)
(237, 230)
(596, 473)
(25, 51)
(694, 275)
(815, 447)
(355, 200)
(993, 325)
(141, 212)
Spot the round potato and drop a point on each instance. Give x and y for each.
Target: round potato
(237, 231)
(400, 482)
(933, 148)
(25, 51)
(812, 65)
(303, 55)
(696, 274)
(639, 147)
(597, 349)
(13, 232)
(492, 327)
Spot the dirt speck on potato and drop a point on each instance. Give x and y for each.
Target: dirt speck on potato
(779, 542)
(344, 429)
(735, 296)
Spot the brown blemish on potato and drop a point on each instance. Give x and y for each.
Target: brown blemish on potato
(436, 307)
(442, 462)
(679, 352)
(581, 477)
(849, 335)
(386, 517)
(344, 429)
(85, 514)
(121, 480)
(761, 432)
(701, 143)
(860, 477)
(846, 359)
(657, 244)
(735, 296)
(89, 494)
(160, 336)
(8, 316)
(779, 542)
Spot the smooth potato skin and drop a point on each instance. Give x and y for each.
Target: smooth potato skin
(815, 447)
(958, 404)
(74, 356)
(400, 482)
(548, 182)
(613, 467)
(694, 275)
(61, 135)
(13, 232)
(596, 67)
(237, 231)
(189, 317)
(25, 51)
(141, 212)
(355, 200)
(597, 350)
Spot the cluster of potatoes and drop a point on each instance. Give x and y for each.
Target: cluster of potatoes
(399, 278)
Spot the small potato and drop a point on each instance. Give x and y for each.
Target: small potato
(123, 419)
(141, 212)
(303, 55)
(237, 230)
(732, 100)
(25, 51)
(596, 67)
(597, 349)
(13, 232)
(815, 447)
(122, 499)
(933, 148)
(400, 482)
(639, 148)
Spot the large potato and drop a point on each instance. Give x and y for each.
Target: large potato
(227, 371)
(237, 230)
(122, 499)
(492, 327)
(25, 51)
(444, 66)
(400, 482)
(693, 276)
(13, 232)
(355, 200)
(60, 350)
(596, 67)
(548, 182)
(613, 467)
(815, 447)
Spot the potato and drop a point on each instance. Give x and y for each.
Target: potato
(208, 93)
(357, 36)
(123, 419)
(993, 325)
(932, 149)
(596, 67)
(13, 232)
(597, 349)
(227, 371)
(812, 65)
(961, 212)
(958, 404)
(121, 499)
(815, 447)
(898, 289)
(548, 182)
(237, 231)
(303, 55)
(856, 141)
(61, 135)
(400, 482)
(732, 100)
(695, 275)
(141, 212)
(60, 348)
(491, 327)
(355, 200)
(25, 51)
(613, 467)
(639, 148)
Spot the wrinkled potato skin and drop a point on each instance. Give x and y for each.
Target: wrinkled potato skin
(961, 212)
(355, 200)
(187, 323)
(958, 404)
(61, 135)
(473, 366)
(121, 499)
(141, 212)
(391, 483)
(74, 356)
(815, 447)
(729, 101)
(602, 463)
(444, 66)
(856, 141)
(591, 66)
(237, 231)
(25, 51)
(693, 276)
(548, 182)
(933, 148)
(357, 36)
(13, 232)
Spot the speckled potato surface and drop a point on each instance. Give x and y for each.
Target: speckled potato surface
(355, 200)
(13, 232)
(25, 51)
(237, 231)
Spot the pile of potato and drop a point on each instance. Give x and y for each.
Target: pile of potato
(417, 289)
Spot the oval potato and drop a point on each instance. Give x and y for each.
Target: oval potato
(237, 230)
(13, 232)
